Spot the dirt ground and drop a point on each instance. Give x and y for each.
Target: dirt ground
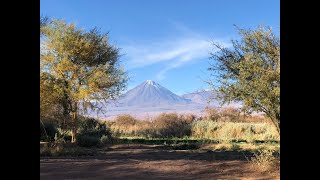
(152, 162)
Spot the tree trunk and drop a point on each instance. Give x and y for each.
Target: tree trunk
(74, 120)
(275, 119)
(276, 122)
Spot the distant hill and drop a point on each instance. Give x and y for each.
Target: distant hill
(202, 97)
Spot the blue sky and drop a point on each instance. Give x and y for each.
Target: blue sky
(167, 41)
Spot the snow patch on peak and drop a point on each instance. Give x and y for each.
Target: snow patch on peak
(150, 82)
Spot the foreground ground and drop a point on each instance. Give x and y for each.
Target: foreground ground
(137, 161)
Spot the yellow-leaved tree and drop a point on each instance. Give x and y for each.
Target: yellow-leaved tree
(80, 67)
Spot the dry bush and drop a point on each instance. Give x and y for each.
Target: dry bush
(226, 147)
(264, 160)
(129, 126)
(252, 147)
(125, 120)
(189, 117)
(172, 125)
(257, 118)
(212, 114)
(143, 128)
(230, 114)
(163, 126)
(124, 124)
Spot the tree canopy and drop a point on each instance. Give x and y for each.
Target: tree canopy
(249, 72)
(80, 67)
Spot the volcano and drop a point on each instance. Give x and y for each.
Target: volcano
(149, 99)
(151, 94)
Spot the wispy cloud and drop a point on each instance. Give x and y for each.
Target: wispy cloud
(194, 49)
(176, 52)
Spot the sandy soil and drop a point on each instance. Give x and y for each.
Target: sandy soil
(152, 162)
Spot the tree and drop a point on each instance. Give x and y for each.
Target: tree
(50, 109)
(49, 99)
(83, 66)
(249, 72)
(43, 22)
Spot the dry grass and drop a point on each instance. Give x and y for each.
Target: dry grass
(225, 128)
(128, 126)
(265, 161)
(227, 131)
(251, 147)
(230, 114)
(58, 149)
(164, 125)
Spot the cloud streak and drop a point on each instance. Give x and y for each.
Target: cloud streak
(175, 52)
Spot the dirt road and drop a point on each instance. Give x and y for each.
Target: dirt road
(152, 162)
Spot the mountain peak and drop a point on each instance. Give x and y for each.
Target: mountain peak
(149, 93)
(150, 82)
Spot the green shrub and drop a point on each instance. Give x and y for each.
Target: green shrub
(47, 131)
(45, 138)
(88, 141)
(92, 127)
(91, 133)
(234, 147)
(45, 151)
(185, 146)
(67, 138)
(106, 139)
(67, 151)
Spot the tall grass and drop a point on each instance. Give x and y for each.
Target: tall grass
(228, 131)
(126, 125)
(164, 125)
(222, 125)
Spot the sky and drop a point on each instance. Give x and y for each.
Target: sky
(167, 41)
